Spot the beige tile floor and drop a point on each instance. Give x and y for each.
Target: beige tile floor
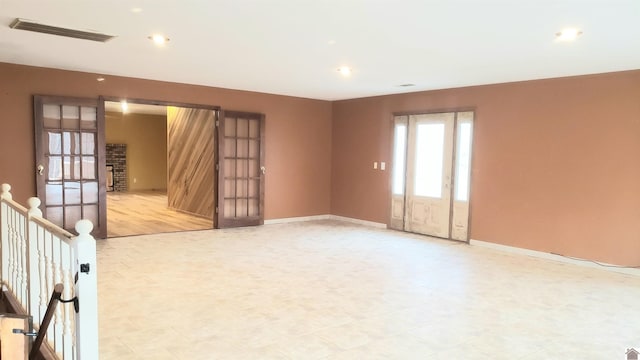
(332, 290)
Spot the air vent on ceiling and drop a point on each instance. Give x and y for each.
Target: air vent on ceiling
(22, 24)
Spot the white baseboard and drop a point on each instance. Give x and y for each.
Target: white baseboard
(554, 257)
(325, 217)
(296, 219)
(358, 221)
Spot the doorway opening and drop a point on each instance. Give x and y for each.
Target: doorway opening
(161, 182)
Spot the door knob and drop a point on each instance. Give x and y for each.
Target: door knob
(40, 169)
(263, 169)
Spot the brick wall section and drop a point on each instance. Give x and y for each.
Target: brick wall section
(117, 156)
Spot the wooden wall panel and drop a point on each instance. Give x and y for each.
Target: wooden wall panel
(191, 160)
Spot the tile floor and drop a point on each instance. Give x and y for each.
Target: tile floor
(333, 290)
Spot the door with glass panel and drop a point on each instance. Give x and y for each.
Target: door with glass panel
(462, 170)
(431, 171)
(429, 156)
(70, 161)
(241, 169)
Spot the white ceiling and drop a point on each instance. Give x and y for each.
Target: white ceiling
(293, 47)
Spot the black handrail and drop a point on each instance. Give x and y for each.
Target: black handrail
(48, 315)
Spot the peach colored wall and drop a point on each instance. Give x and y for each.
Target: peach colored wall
(146, 139)
(298, 131)
(555, 165)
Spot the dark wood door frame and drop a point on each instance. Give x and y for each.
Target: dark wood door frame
(160, 103)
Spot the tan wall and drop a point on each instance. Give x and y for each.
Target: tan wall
(146, 139)
(555, 165)
(298, 131)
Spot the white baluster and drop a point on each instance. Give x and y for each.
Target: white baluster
(57, 268)
(49, 271)
(42, 275)
(86, 331)
(12, 250)
(67, 278)
(21, 269)
(25, 263)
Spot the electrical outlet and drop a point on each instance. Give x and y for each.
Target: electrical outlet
(383, 165)
(375, 164)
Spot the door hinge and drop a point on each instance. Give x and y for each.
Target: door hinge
(216, 209)
(217, 122)
(217, 167)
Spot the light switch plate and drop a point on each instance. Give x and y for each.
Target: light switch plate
(383, 165)
(375, 164)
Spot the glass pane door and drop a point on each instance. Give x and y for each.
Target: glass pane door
(241, 174)
(68, 168)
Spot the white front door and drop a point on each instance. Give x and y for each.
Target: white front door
(430, 150)
(430, 186)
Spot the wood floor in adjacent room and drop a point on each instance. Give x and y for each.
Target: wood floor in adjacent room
(146, 212)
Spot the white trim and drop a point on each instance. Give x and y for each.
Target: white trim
(296, 219)
(554, 257)
(358, 221)
(325, 217)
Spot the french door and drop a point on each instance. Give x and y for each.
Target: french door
(431, 173)
(241, 169)
(70, 161)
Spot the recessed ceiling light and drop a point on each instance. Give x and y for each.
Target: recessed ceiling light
(124, 106)
(136, 10)
(568, 34)
(344, 71)
(100, 79)
(331, 42)
(159, 39)
(407, 85)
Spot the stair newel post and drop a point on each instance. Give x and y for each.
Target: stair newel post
(5, 194)
(11, 240)
(33, 276)
(87, 291)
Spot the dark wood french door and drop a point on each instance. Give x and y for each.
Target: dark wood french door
(70, 162)
(241, 169)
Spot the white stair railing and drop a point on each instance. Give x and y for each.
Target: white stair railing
(36, 255)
